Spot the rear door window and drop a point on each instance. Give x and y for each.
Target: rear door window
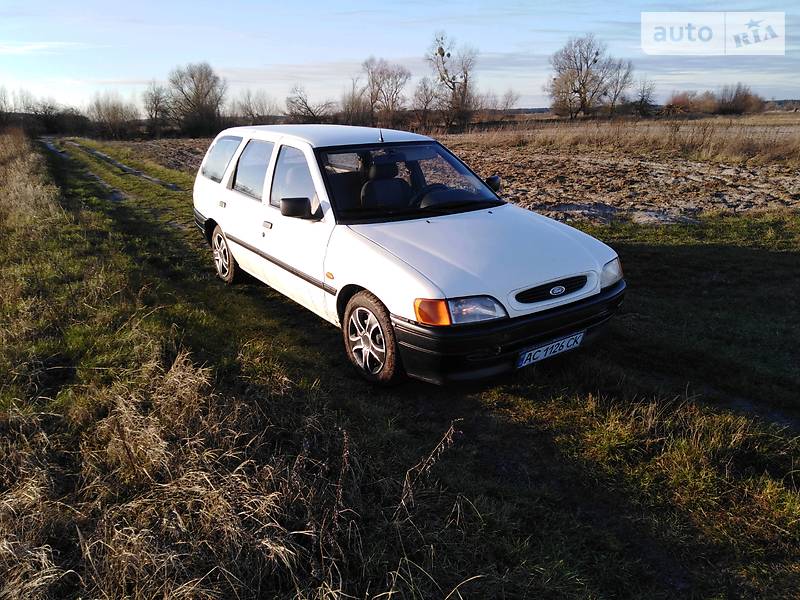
(251, 170)
(219, 156)
(292, 178)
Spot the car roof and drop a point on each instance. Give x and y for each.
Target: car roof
(320, 136)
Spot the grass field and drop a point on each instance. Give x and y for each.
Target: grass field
(767, 138)
(161, 435)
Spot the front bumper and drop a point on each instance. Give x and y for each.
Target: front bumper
(469, 352)
(199, 220)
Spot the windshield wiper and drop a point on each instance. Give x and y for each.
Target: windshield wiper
(443, 208)
(473, 204)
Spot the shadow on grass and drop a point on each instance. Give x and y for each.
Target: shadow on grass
(723, 320)
(547, 525)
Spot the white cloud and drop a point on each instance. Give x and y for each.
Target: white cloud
(23, 48)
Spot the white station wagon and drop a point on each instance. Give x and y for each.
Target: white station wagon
(389, 236)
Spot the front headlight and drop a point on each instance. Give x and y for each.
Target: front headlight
(612, 273)
(474, 309)
(458, 311)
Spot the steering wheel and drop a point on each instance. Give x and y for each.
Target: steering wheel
(416, 199)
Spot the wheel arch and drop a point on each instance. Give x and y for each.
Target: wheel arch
(343, 297)
(208, 229)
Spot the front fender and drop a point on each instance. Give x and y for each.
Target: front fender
(352, 259)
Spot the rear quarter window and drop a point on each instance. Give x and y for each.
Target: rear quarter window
(219, 156)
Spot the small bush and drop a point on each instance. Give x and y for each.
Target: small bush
(736, 99)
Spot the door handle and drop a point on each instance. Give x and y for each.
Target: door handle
(222, 203)
(267, 225)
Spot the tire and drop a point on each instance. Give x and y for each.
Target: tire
(224, 263)
(369, 340)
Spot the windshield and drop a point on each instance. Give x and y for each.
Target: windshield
(401, 181)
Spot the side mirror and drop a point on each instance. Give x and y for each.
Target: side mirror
(494, 182)
(299, 208)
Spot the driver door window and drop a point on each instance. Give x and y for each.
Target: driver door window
(292, 178)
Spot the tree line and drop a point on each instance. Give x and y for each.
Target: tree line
(194, 100)
(587, 81)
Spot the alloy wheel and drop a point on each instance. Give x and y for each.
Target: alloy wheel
(367, 342)
(221, 255)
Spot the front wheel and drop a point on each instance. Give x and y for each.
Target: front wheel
(369, 339)
(226, 266)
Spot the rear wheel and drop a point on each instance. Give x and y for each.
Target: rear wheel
(226, 266)
(369, 339)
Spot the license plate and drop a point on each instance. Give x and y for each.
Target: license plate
(532, 355)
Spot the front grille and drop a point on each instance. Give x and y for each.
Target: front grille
(542, 292)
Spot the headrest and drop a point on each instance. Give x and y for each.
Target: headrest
(383, 170)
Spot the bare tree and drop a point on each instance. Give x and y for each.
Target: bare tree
(113, 115)
(384, 87)
(155, 99)
(645, 96)
(24, 101)
(257, 107)
(581, 75)
(453, 70)
(42, 115)
(299, 109)
(46, 112)
(197, 95)
(355, 106)
(494, 107)
(564, 99)
(423, 102)
(738, 99)
(620, 78)
(487, 102)
(5, 106)
(509, 100)
(372, 68)
(392, 101)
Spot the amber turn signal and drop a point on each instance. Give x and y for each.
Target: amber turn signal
(432, 312)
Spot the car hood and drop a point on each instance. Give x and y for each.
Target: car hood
(497, 251)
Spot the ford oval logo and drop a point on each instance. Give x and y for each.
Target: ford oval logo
(557, 290)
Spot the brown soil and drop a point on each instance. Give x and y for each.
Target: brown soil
(602, 186)
(595, 185)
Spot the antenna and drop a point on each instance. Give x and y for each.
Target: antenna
(380, 134)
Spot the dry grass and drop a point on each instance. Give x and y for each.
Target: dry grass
(27, 565)
(705, 462)
(185, 493)
(206, 496)
(759, 139)
(127, 470)
(151, 445)
(25, 200)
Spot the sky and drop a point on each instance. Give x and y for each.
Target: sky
(70, 50)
